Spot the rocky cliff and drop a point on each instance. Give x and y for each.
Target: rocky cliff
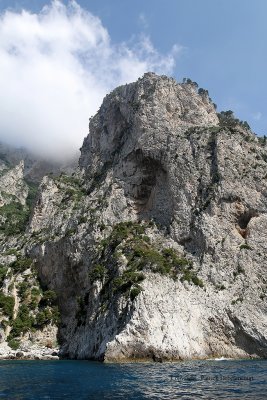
(155, 247)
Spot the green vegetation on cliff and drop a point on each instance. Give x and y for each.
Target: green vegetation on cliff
(128, 253)
(14, 216)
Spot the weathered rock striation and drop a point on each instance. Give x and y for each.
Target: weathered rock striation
(156, 246)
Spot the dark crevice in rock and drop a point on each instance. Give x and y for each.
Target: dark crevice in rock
(231, 198)
(99, 178)
(214, 170)
(248, 343)
(243, 219)
(146, 182)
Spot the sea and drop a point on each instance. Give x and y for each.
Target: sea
(63, 379)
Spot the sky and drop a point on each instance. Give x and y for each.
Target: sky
(58, 59)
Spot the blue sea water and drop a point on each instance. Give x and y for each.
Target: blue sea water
(227, 379)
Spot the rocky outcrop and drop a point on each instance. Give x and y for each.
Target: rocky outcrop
(156, 246)
(13, 186)
(27, 313)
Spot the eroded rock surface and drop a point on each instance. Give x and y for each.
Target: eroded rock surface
(156, 246)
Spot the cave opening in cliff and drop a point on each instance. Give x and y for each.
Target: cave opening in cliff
(245, 218)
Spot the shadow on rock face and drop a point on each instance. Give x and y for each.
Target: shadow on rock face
(145, 180)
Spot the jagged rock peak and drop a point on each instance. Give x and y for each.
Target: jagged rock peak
(147, 114)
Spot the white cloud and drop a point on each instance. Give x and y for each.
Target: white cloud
(55, 68)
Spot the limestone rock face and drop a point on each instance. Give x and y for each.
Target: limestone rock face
(12, 185)
(156, 246)
(149, 115)
(27, 329)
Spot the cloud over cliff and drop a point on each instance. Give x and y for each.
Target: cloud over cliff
(55, 68)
